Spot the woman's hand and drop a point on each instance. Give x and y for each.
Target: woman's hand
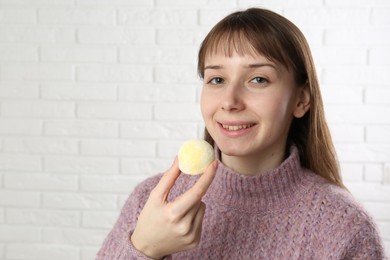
(165, 227)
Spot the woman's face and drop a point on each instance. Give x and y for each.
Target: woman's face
(248, 103)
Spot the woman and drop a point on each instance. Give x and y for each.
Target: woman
(274, 191)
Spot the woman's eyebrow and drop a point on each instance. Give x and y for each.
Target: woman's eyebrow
(258, 65)
(250, 66)
(214, 67)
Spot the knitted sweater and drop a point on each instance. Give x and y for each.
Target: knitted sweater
(286, 213)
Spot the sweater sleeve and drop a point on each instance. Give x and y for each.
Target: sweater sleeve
(117, 244)
(366, 243)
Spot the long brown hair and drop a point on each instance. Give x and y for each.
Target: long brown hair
(260, 31)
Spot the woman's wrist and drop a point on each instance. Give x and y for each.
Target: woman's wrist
(143, 249)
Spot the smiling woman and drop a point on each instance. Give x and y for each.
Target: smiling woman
(274, 190)
(248, 103)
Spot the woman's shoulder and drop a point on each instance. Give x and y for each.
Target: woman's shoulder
(337, 201)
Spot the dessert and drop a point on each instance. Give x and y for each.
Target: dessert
(194, 156)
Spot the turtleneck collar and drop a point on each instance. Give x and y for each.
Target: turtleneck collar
(270, 190)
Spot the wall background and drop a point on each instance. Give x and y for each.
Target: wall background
(96, 95)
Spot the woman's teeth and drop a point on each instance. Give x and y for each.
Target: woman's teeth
(236, 127)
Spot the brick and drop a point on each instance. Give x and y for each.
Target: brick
(379, 56)
(157, 92)
(158, 130)
(373, 172)
(373, 192)
(355, 75)
(80, 165)
(376, 209)
(378, 134)
(81, 128)
(144, 167)
(78, 91)
(358, 114)
(116, 35)
(25, 199)
(159, 55)
(328, 16)
(338, 94)
(2, 216)
(178, 112)
(72, 236)
(78, 53)
(12, 234)
(118, 110)
(386, 174)
(178, 3)
(358, 36)
(336, 3)
(368, 153)
(19, 90)
(99, 219)
(131, 148)
(89, 252)
(113, 184)
(157, 16)
(38, 108)
(176, 74)
(281, 3)
(377, 95)
(314, 36)
(210, 17)
(345, 133)
(77, 16)
(117, 72)
(17, 16)
(168, 149)
(37, 34)
(43, 217)
(40, 251)
(380, 16)
(351, 172)
(40, 181)
(339, 55)
(20, 162)
(40, 145)
(20, 126)
(80, 201)
(174, 36)
(37, 71)
(18, 52)
(116, 2)
(200, 3)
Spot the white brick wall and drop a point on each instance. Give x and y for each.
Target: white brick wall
(96, 95)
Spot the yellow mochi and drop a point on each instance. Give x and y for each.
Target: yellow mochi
(194, 156)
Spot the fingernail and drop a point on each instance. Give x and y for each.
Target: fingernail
(215, 164)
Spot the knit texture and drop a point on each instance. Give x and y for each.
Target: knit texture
(286, 213)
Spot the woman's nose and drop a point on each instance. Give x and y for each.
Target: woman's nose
(232, 98)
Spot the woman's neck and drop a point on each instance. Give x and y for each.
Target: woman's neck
(255, 164)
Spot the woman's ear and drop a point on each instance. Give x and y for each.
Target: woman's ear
(303, 102)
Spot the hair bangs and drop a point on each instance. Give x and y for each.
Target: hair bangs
(235, 35)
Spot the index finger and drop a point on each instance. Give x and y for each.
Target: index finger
(194, 195)
(167, 181)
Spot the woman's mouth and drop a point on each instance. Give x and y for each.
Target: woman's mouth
(235, 130)
(236, 127)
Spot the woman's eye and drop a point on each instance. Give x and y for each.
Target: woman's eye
(216, 81)
(259, 80)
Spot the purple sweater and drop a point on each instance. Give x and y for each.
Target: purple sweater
(286, 213)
